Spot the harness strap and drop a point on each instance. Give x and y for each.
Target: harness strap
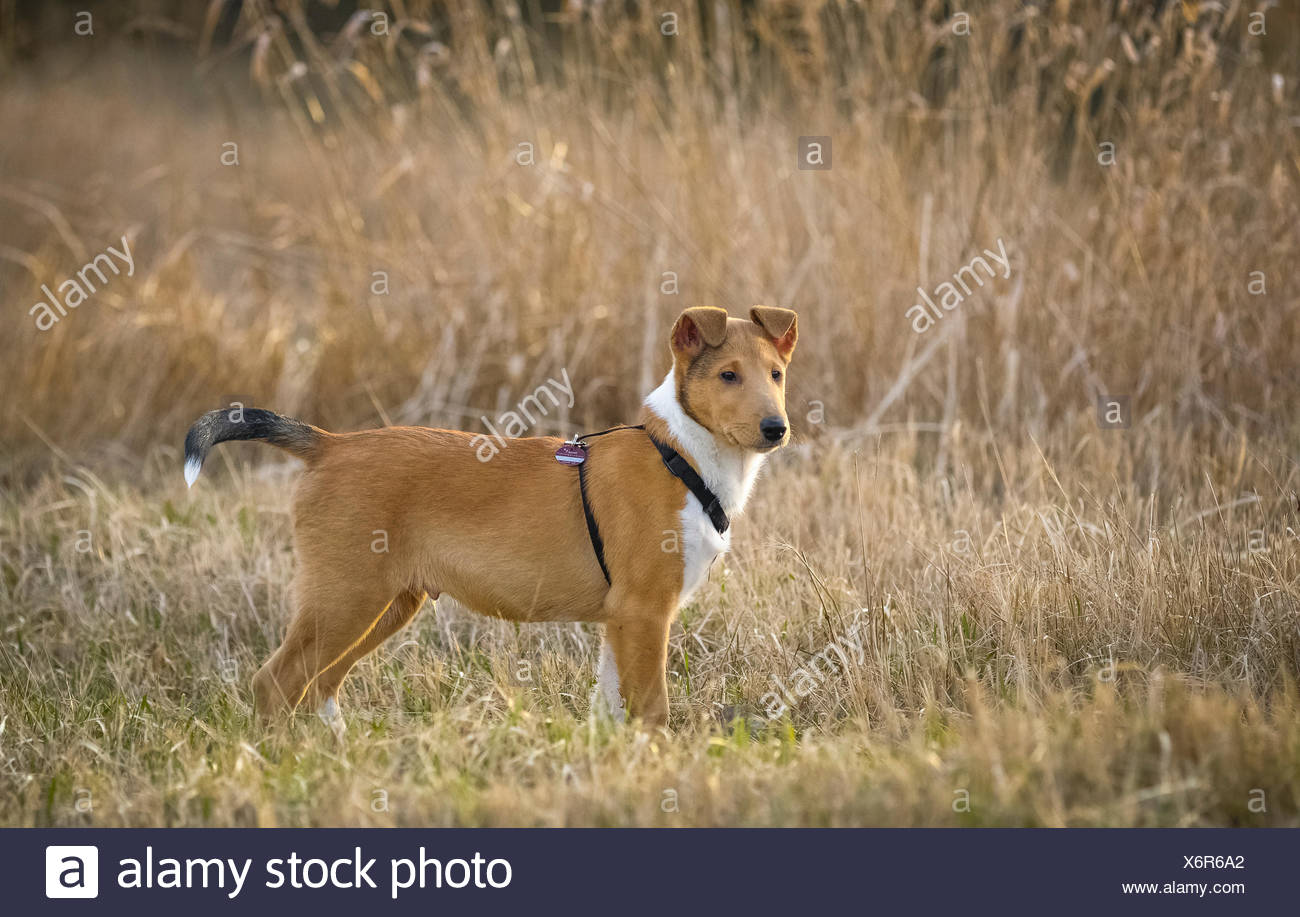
(677, 466)
(593, 530)
(682, 470)
(586, 436)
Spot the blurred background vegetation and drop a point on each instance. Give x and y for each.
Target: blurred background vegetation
(389, 140)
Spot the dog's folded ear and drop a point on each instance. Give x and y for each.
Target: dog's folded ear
(781, 325)
(703, 326)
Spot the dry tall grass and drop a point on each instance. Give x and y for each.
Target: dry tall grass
(1065, 625)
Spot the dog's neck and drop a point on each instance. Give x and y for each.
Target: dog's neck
(728, 470)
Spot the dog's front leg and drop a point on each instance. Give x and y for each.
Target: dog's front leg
(637, 631)
(607, 698)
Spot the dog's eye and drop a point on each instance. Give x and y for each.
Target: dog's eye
(728, 376)
(776, 375)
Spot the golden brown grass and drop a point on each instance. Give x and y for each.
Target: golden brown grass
(1065, 625)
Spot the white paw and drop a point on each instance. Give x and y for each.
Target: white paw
(332, 716)
(601, 708)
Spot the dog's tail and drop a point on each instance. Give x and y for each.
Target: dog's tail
(301, 439)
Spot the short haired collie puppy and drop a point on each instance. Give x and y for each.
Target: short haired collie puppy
(543, 531)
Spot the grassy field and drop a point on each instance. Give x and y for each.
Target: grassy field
(1040, 620)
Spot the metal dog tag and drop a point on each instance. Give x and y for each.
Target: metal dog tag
(571, 453)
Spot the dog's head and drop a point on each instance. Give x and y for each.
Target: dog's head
(730, 373)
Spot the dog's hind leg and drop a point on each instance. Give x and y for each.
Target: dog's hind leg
(331, 619)
(322, 695)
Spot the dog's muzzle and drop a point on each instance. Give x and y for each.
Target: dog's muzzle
(772, 428)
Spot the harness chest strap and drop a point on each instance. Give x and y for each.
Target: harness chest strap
(682, 470)
(677, 466)
(593, 530)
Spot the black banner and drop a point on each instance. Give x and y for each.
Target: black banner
(643, 871)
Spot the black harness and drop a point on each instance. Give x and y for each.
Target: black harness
(677, 466)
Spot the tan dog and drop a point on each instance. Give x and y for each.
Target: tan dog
(525, 536)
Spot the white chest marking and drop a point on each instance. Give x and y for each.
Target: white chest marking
(729, 473)
(701, 544)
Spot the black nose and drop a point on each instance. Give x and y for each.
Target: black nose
(772, 428)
